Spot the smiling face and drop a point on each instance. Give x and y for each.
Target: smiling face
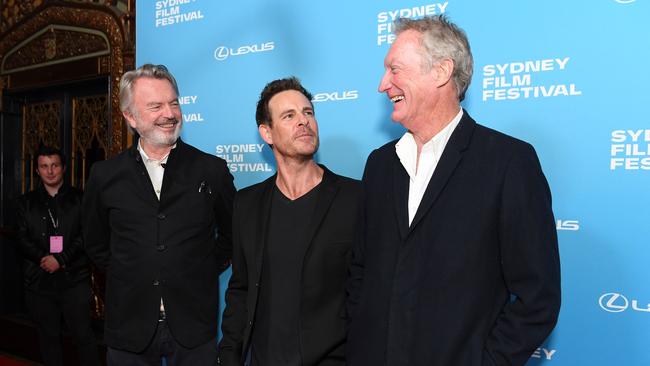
(407, 83)
(155, 112)
(293, 130)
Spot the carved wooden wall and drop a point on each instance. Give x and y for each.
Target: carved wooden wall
(45, 43)
(53, 56)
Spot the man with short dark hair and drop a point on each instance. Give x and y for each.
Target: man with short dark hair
(285, 304)
(458, 262)
(57, 281)
(158, 220)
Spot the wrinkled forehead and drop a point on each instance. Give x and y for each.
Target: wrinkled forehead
(288, 100)
(406, 47)
(148, 86)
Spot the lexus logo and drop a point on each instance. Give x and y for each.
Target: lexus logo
(336, 96)
(613, 302)
(221, 53)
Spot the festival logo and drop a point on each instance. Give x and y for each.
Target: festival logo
(244, 158)
(630, 150)
(172, 12)
(385, 19)
(515, 80)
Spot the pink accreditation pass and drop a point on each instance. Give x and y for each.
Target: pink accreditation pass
(56, 244)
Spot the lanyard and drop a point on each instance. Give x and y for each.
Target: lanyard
(55, 224)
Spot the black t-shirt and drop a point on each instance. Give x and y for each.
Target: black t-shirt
(275, 337)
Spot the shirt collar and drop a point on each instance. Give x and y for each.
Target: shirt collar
(407, 150)
(44, 194)
(146, 157)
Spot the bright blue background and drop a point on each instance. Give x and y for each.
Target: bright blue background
(332, 47)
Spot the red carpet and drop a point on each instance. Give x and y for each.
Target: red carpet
(7, 361)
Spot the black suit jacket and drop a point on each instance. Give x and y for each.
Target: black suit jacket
(155, 249)
(331, 233)
(475, 279)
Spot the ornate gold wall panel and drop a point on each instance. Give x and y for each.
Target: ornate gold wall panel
(45, 44)
(41, 126)
(13, 11)
(48, 36)
(89, 124)
(55, 44)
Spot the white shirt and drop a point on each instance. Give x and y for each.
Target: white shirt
(420, 174)
(154, 168)
(156, 173)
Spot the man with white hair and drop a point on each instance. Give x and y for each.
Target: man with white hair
(458, 259)
(157, 218)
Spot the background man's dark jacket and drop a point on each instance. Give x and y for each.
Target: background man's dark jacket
(152, 249)
(438, 292)
(322, 316)
(34, 239)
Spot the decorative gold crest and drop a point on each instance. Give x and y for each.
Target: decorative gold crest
(50, 44)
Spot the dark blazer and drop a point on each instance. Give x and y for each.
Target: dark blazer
(475, 279)
(331, 233)
(34, 241)
(152, 249)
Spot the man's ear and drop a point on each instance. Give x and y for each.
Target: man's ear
(130, 118)
(265, 133)
(444, 71)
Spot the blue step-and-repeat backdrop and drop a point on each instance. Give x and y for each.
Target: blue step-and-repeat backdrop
(570, 77)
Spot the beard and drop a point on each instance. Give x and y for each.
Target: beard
(155, 136)
(300, 151)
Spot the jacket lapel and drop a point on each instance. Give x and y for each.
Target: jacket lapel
(326, 196)
(400, 196)
(262, 222)
(451, 157)
(146, 187)
(176, 163)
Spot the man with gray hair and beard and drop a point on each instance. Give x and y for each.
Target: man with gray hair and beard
(157, 219)
(458, 261)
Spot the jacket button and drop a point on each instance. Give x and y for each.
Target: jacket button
(156, 282)
(161, 247)
(257, 284)
(161, 216)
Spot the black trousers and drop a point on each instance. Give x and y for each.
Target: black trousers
(72, 304)
(163, 346)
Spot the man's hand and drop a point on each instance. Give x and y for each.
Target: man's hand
(50, 264)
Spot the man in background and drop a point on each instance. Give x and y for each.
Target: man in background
(157, 218)
(57, 281)
(285, 304)
(458, 262)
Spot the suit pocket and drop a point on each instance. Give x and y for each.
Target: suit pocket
(193, 203)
